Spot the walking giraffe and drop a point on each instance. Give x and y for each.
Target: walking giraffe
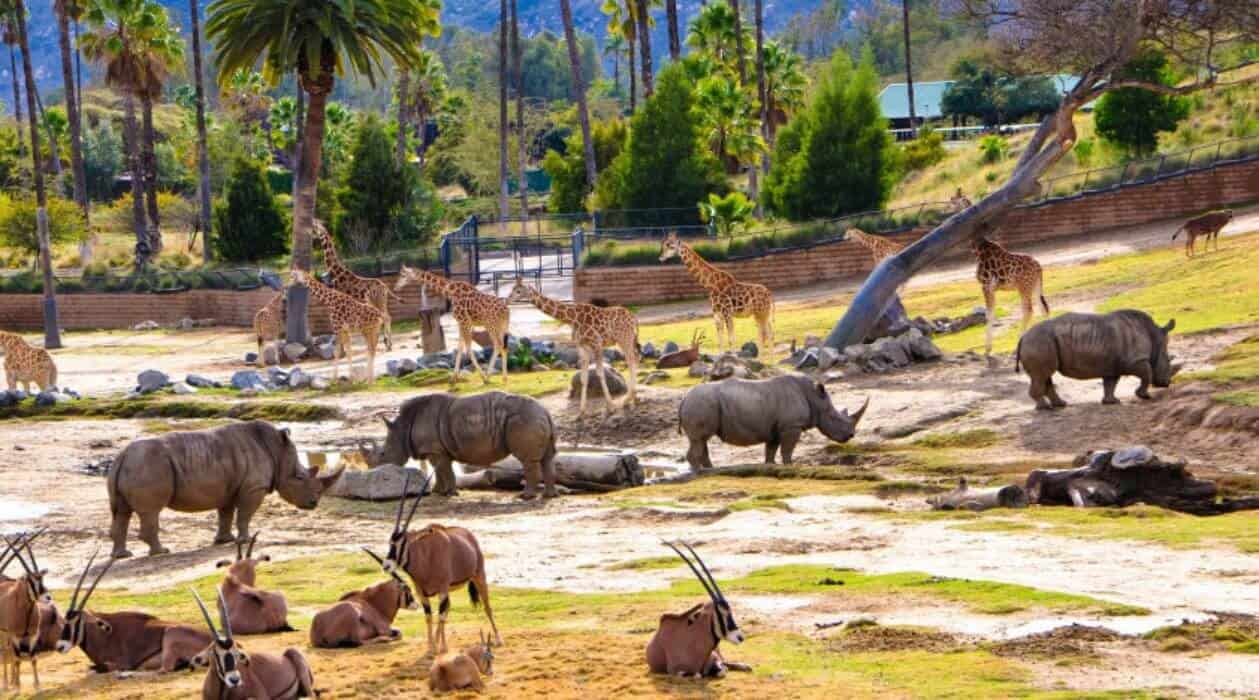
(729, 297)
(594, 328)
(269, 322)
(374, 293)
(347, 315)
(878, 246)
(26, 364)
(999, 269)
(472, 309)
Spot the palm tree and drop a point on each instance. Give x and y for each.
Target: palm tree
(727, 112)
(522, 145)
(642, 17)
(503, 204)
(740, 57)
(203, 148)
(316, 39)
(10, 37)
(675, 44)
(161, 51)
(614, 45)
(405, 108)
(52, 331)
(760, 100)
(65, 9)
(785, 84)
(428, 93)
(715, 31)
(621, 24)
(579, 89)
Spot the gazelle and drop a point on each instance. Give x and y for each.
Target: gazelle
(235, 674)
(126, 641)
(20, 616)
(363, 617)
(456, 670)
(686, 644)
(256, 611)
(437, 559)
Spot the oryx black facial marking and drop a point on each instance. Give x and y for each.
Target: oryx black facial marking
(73, 631)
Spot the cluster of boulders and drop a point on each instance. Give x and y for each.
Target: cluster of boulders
(51, 397)
(879, 356)
(183, 324)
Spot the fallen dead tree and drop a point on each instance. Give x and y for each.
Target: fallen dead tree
(1128, 476)
(966, 498)
(579, 471)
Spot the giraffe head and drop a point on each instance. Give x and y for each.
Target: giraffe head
(299, 278)
(521, 293)
(406, 275)
(671, 247)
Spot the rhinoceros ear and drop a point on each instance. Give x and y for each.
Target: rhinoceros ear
(388, 423)
(821, 390)
(1170, 325)
(284, 435)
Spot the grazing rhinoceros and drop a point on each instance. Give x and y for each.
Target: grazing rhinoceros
(1092, 346)
(750, 412)
(228, 469)
(480, 429)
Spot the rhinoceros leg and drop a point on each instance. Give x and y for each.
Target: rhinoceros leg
(148, 533)
(246, 505)
(789, 439)
(771, 446)
(224, 534)
(1146, 374)
(1036, 390)
(118, 531)
(445, 476)
(1108, 390)
(1052, 391)
(697, 455)
(533, 474)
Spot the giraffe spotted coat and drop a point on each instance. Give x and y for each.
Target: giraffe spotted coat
(26, 365)
(879, 247)
(999, 269)
(269, 322)
(375, 293)
(729, 297)
(472, 309)
(347, 316)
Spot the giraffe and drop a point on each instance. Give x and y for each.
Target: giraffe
(26, 364)
(878, 246)
(372, 292)
(471, 308)
(960, 202)
(594, 328)
(729, 297)
(1000, 269)
(347, 315)
(269, 322)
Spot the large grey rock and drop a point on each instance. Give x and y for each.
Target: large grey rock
(809, 359)
(19, 395)
(749, 349)
(270, 355)
(1136, 456)
(151, 380)
(812, 341)
(294, 351)
(892, 351)
(277, 376)
(247, 379)
(46, 398)
(251, 358)
(391, 368)
(728, 365)
(384, 483)
(920, 346)
(200, 382)
(613, 355)
(7, 399)
(669, 347)
(828, 357)
(183, 389)
(146, 326)
(649, 351)
(406, 366)
(299, 379)
(326, 351)
(616, 384)
(560, 365)
(698, 368)
(655, 376)
(319, 383)
(568, 356)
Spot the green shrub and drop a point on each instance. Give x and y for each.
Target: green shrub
(993, 148)
(727, 213)
(248, 223)
(568, 170)
(373, 191)
(1133, 117)
(924, 151)
(18, 228)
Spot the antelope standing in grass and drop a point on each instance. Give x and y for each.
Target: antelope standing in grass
(685, 644)
(20, 615)
(234, 674)
(457, 670)
(437, 559)
(363, 617)
(126, 641)
(256, 611)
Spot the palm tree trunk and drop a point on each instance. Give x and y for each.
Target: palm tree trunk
(909, 72)
(203, 148)
(616, 69)
(72, 113)
(579, 87)
(78, 71)
(17, 104)
(404, 90)
(644, 41)
(738, 43)
(503, 203)
(421, 130)
(522, 145)
(132, 137)
(675, 42)
(54, 151)
(309, 162)
(633, 79)
(299, 125)
(52, 326)
(760, 92)
(148, 161)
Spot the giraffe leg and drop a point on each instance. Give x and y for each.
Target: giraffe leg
(476, 365)
(501, 351)
(990, 302)
(584, 358)
(603, 382)
(387, 326)
(371, 356)
(730, 340)
(631, 361)
(1027, 309)
(349, 358)
(459, 347)
(721, 329)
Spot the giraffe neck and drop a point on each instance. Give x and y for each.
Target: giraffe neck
(320, 291)
(437, 283)
(709, 276)
(551, 307)
(9, 340)
(864, 240)
(330, 258)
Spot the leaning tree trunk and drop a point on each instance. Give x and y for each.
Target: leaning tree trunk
(52, 325)
(297, 326)
(579, 87)
(400, 144)
(675, 42)
(17, 104)
(72, 112)
(522, 146)
(203, 149)
(148, 161)
(132, 136)
(644, 41)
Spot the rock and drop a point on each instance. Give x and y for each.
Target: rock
(698, 368)
(407, 366)
(384, 483)
(151, 380)
(46, 398)
(749, 349)
(893, 322)
(670, 347)
(270, 355)
(568, 356)
(613, 355)
(71, 393)
(323, 340)
(828, 358)
(560, 365)
(247, 380)
(251, 358)
(812, 341)
(892, 351)
(185, 324)
(299, 379)
(200, 382)
(649, 351)
(522, 340)
(857, 354)
(183, 389)
(809, 359)
(920, 346)
(392, 368)
(19, 395)
(146, 326)
(326, 351)
(655, 376)
(277, 376)
(294, 351)
(1136, 456)
(616, 384)
(319, 383)
(7, 399)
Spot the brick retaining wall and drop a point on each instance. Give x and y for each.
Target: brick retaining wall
(1084, 213)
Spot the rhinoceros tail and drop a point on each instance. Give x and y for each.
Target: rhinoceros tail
(116, 500)
(1044, 304)
(1017, 350)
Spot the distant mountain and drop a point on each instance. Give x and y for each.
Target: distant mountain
(481, 15)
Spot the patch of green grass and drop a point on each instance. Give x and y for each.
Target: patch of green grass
(760, 502)
(965, 439)
(647, 564)
(1237, 363)
(160, 427)
(535, 384)
(1244, 398)
(1247, 647)
(150, 407)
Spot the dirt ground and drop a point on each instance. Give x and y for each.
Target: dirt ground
(569, 543)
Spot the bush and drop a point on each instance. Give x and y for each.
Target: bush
(248, 223)
(837, 157)
(992, 148)
(103, 160)
(726, 213)
(373, 191)
(1133, 117)
(924, 151)
(567, 171)
(19, 230)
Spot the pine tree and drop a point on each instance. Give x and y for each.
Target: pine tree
(373, 189)
(249, 224)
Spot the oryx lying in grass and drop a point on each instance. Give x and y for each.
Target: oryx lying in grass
(20, 616)
(437, 559)
(686, 644)
(126, 641)
(363, 617)
(256, 611)
(234, 674)
(456, 670)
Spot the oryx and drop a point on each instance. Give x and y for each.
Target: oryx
(235, 674)
(685, 644)
(363, 617)
(255, 611)
(20, 616)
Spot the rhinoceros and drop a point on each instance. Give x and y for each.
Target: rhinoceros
(230, 469)
(480, 429)
(750, 412)
(1092, 346)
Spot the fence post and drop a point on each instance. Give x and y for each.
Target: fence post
(579, 245)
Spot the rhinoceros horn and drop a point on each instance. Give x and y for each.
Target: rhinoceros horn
(856, 417)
